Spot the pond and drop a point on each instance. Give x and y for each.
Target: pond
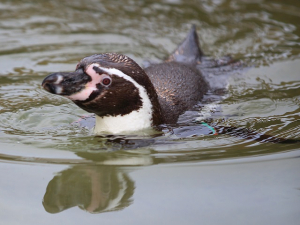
(55, 170)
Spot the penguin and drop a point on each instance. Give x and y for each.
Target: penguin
(126, 98)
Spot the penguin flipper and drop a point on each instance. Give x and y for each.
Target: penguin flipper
(189, 50)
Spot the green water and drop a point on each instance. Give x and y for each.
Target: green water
(55, 171)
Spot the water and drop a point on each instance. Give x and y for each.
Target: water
(55, 170)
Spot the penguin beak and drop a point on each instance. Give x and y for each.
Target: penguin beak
(66, 83)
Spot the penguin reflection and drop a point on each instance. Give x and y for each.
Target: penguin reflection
(92, 188)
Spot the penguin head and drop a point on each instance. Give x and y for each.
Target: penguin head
(108, 84)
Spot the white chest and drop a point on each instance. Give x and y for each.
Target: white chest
(136, 120)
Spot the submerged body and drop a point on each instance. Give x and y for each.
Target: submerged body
(126, 98)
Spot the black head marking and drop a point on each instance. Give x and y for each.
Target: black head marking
(121, 98)
(98, 70)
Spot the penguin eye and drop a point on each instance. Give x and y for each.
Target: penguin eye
(106, 81)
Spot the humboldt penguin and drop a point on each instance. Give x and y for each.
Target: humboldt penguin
(126, 98)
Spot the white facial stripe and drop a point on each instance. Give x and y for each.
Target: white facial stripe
(59, 79)
(85, 93)
(134, 121)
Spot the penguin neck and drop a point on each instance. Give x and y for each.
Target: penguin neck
(145, 117)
